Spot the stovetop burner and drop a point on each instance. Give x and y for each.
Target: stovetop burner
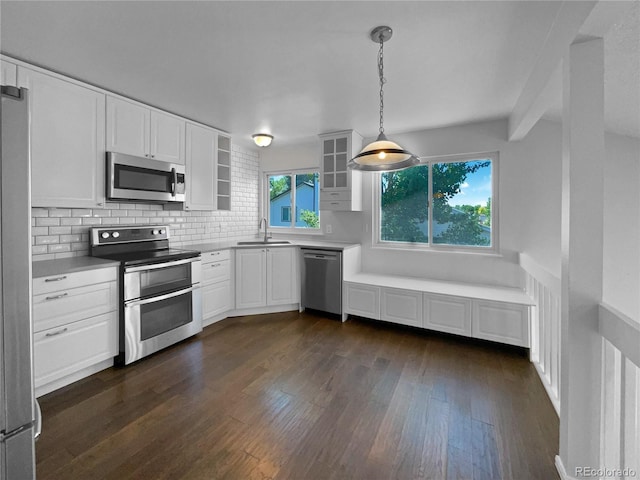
(135, 244)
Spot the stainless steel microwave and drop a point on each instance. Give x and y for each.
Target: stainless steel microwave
(140, 179)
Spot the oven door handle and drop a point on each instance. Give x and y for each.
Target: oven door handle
(136, 303)
(155, 266)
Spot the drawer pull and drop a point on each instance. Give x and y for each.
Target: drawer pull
(216, 265)
(334, 194)
(56, 279)
(56, 297)
(53, 334)
(335, 203)
(215, 253)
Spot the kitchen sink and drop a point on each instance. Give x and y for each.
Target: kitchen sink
(268, 242)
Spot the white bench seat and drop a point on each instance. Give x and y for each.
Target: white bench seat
(499, 314)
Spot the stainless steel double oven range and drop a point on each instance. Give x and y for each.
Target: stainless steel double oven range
(160, 302)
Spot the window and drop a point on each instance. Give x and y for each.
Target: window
(285, 214)
(460, 215)
(296, 208)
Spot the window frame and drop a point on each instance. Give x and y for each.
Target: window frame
(494, 249)
(293, 207)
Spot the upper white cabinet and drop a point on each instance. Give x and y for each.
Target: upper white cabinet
(201, 168)
(224, 173)
(8, 74)
(266, 277)
(136, 129)
(67, 141)
(341, 188)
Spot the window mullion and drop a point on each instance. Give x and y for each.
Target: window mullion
(292, 214)
(430, 203)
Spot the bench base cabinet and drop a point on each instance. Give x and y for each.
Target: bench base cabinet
(501, 322)
(484, 319)
(448, 314)
(362, 300)
(401, 306)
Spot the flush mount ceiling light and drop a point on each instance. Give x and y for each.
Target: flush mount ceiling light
(262, 139)
(383, 154)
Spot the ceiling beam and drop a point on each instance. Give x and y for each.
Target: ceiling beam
(532, 104)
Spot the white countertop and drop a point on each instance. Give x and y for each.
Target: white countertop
(225, 244)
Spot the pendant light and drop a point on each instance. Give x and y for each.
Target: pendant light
(383, 154)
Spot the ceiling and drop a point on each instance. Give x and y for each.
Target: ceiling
(296, 69)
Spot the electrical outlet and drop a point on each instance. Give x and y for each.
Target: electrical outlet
(328, 229)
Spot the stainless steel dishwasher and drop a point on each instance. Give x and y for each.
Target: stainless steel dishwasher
(322, 280)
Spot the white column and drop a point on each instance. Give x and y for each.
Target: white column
(582, 251)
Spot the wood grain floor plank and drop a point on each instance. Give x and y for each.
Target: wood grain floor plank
(304, 397)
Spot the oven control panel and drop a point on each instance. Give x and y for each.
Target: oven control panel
(127, 234)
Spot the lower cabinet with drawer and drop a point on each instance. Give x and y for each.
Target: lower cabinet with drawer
(75, 323)
(216, 286)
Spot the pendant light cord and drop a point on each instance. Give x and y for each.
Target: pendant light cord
(382, 81)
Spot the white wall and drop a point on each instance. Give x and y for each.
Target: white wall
(621, 275)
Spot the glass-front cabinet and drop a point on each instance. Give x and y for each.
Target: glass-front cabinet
(341, 188)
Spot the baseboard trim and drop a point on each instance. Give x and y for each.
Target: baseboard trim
(547, 386)
(561, 471)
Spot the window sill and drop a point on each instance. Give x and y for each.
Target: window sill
(294, 231)
(489, 252)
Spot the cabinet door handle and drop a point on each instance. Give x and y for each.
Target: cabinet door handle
(53, 334)
(56, 297)
(55, 279)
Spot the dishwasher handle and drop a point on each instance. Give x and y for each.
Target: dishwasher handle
(321, 254)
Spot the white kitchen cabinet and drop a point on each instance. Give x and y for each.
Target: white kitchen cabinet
(67, 141)
(341, 188)
(75, 323)
(501, 322)
(201, 168)
(282, 276)
(447, 313)
(362, 300)
(8, 74)
(136, 129)
(401, 306)
(223, 190)
(266, 277)
(216, 285)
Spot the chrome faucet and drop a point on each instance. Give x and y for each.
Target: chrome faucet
(265, 228)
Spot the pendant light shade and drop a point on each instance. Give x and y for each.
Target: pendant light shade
(383, 154)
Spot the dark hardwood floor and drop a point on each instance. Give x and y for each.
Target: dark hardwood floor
(300, 396)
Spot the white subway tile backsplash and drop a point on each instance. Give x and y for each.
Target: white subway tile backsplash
(80, 212)
(59, 248)
(72, 225)
(47, 222)
(59, 212)
(71, 221)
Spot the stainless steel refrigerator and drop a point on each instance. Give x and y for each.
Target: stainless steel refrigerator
(19, 411)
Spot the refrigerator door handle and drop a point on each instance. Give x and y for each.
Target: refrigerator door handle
(37, 427)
